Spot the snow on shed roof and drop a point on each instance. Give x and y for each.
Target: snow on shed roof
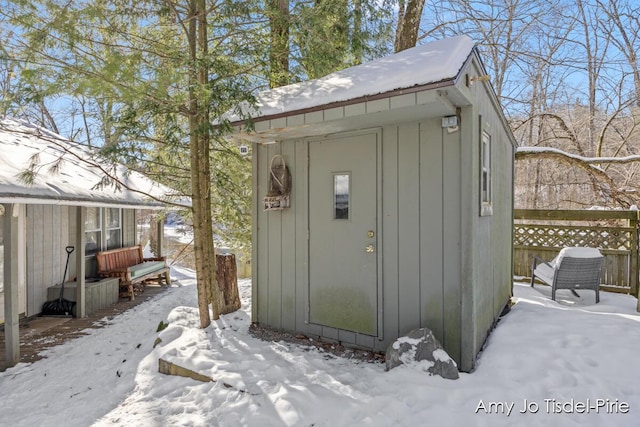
(66, 173)
(425, 64)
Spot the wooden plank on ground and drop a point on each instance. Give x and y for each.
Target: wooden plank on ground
(169, 368)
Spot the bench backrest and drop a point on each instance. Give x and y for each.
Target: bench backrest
(119, 258)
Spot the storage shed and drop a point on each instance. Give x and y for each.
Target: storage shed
(398, 212)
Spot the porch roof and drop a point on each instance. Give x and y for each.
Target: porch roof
(67, 173)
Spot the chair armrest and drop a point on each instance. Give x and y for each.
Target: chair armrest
(536, 258)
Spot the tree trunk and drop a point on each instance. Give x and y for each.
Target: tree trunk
(153, 236)
(227, 278)
(408, 25)
(200, 164)
(357, 39)
(279, 49)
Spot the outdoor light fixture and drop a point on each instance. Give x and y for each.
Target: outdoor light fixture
(449, 121)
(484, 78)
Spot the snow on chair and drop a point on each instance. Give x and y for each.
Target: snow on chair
(573, 268)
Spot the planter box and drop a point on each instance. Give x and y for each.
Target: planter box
(99, 294)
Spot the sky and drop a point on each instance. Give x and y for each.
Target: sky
(564, 363)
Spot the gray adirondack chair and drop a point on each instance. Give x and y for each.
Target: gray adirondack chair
(572, 269)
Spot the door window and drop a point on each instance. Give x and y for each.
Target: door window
(341, 191)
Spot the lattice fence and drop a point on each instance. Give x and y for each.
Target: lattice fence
(545, 233)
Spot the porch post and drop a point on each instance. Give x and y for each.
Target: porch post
(160, 234)
(80, 266)
(11, 287)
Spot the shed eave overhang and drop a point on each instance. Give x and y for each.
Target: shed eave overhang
(400, 105)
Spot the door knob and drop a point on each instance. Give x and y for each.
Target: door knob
(370, 249)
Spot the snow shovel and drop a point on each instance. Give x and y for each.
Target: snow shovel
(60, 307)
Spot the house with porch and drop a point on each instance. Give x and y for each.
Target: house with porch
(383, 201)
(55, 194)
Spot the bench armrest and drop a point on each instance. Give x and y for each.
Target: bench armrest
(162, 258)
(114, 271)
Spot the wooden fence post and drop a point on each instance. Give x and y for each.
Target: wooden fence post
(633, 223)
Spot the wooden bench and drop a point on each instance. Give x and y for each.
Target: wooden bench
(129, 265)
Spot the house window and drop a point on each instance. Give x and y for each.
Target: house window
(485, 174)
(113, 228)
(92, 231)
(102, 229)
(340, 196)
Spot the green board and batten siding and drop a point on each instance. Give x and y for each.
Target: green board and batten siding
(440, 263)
(420, 239)
(487, 250)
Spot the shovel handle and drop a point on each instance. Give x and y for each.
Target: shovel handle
(69, 249)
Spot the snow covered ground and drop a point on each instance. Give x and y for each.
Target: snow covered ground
(562, 363)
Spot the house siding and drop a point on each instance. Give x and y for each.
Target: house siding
(47, 236)
(50, 228)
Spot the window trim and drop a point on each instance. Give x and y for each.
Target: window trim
(485, 165)
(103, 229)
(93, 230)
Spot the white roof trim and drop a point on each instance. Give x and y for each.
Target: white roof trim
(84, 203)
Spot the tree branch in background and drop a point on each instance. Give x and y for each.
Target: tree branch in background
(601, 181)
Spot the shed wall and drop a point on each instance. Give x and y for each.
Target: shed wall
(487, 251)
(443, 265)
(419, 239)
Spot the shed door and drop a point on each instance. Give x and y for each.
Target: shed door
(343, 250)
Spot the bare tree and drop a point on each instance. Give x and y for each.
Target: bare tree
(624, 19)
